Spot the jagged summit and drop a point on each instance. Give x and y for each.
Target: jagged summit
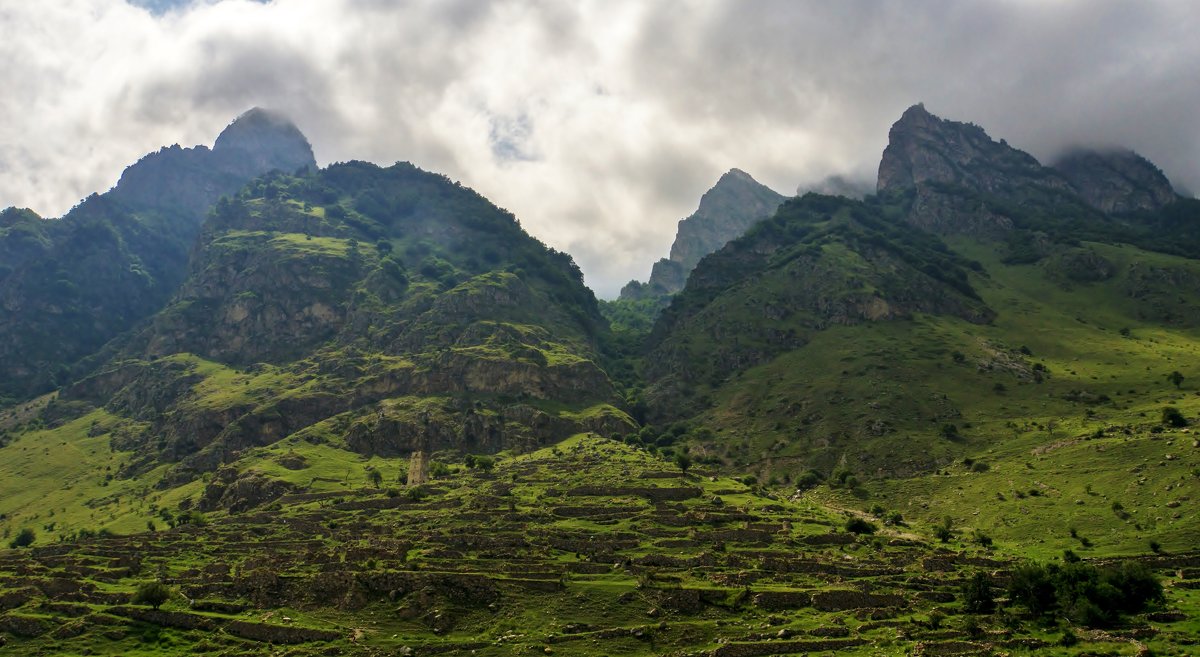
(925, 148)
(120, 255)
(733, 204)
(265, 140)
(1116, 180)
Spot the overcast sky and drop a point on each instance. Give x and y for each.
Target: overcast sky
(601, 123)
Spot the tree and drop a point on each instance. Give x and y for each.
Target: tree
(151, 593)
(375, 477)
(24, 538)
(978, 595)
(683, 461)
(1031, 586)
(1175, 378)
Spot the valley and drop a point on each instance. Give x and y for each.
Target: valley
(368, 414)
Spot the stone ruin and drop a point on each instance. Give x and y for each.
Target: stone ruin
(418, 469)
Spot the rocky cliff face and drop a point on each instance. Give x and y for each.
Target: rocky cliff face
(924, 149)
(734, 204)
(1116, 181)
(117, 257)
(956, 180)
(952, 179)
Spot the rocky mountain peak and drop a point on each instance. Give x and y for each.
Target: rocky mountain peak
(263, 140)
(726, 211)
(925, 148)
(735, 203)
(1116, 180)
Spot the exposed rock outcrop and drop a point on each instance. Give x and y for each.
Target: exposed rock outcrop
(734, 204)
(923, 149)
(1116, 181)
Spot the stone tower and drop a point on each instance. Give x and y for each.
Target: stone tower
(418, 468)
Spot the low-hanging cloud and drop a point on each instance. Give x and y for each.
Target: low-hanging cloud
(599, 123)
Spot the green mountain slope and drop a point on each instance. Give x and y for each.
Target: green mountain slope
(837, 341)
(375, 311)
(590, 547)
(69, 285)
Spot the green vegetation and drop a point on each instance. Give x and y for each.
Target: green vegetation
(24, 538)
(846, 434)
(153, 594)
(1083, 593)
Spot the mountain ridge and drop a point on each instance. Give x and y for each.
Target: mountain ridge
(726, 211)
(117, 257)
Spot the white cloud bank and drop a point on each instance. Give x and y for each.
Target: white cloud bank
(598, 123)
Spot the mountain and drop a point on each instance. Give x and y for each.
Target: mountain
(69, 285)
(373, 416)
(863, 336)
(734, 204)
(958, 181)
(381, 311)
(1116, 181)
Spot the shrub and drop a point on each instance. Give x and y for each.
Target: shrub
(857, 525)
(24, 538)
(1173, 418)
(807, 480)
(416, 494)
(943, 533)
(1083, 593)
(683, 461)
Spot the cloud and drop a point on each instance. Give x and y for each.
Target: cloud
(598, 122)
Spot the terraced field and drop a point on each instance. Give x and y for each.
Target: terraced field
(590, 547)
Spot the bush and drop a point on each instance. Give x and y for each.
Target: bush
(151, 593)
(808, 480)
(24, 538)
(484, 463)
(1083, 593)
(943, 533)
(1173, 418)
(683, 462)
(857, 525)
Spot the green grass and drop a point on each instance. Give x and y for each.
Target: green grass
(296, 245)
(59, 481)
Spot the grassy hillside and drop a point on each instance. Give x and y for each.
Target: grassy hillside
(588, 547)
